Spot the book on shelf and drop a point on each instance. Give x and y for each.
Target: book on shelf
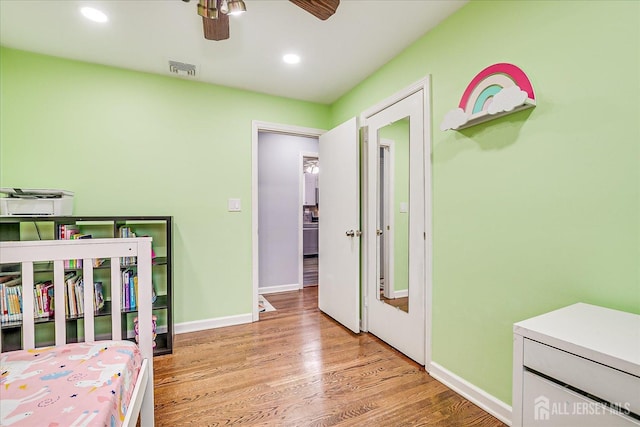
(71, 232)
(51, 301)
(71, 296)
(8, 289)
(11, 301)
(125, 232)
(125, 289)
(133, 288)
(75, 296)
(79, 290)
(98, 295)
(43, 300)
(12, 306)
(129, 289)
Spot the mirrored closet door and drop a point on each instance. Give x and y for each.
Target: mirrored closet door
(396, 225)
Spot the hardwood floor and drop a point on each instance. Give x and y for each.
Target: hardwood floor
(298, 367)
(310, 271)
(401, 303)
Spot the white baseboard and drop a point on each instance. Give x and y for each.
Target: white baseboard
(476, 395)
(218, 322)
(401, 294)
(279, 288)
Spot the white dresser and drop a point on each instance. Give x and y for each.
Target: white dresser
(577, 366)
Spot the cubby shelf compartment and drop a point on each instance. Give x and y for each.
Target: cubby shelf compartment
(160, 228)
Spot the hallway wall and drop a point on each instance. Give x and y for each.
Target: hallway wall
(279, 206)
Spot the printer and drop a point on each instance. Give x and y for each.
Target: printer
(18, 201)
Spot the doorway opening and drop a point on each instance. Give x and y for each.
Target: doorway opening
(278, 207)
(395, 246)
(310, 219)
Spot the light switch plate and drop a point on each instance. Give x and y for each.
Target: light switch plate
(404, 207)
(234, 205)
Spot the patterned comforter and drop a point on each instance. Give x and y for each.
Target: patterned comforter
(74, 385)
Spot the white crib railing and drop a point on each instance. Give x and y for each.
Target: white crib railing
(57, 251)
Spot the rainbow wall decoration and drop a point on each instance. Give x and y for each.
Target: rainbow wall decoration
(496, 91)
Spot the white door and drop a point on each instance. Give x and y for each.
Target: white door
(339, 228)
(399, 320)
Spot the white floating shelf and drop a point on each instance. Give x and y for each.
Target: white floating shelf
(483, 116)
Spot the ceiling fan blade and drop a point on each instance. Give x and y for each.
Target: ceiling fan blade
(216, 29)
(321, 9)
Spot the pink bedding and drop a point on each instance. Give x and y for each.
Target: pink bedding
(73, 385)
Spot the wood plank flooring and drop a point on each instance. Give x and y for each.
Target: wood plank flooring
(310, 271)
(401, 303)
(298, 367)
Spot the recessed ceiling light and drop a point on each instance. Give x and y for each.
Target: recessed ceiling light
(291, 58)
(94, 14)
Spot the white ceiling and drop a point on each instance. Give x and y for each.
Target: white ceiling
(144, 35)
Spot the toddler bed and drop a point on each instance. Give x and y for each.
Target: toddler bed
(85, 383)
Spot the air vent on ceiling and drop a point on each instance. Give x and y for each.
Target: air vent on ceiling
(182, 69)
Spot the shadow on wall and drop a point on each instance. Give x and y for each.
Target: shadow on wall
(491, 135)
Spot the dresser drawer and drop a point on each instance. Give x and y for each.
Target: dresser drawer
(606, 383)
(548, 404)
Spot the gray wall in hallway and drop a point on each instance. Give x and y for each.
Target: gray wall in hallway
(279, 205)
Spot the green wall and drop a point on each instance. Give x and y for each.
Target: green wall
(540, 209)
(398, 132)
(130, 143)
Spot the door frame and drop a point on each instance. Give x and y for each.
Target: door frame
(257, 127)
(389, 218)
(423, 85)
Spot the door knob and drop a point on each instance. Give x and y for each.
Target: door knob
(378, 232)
(352, 233)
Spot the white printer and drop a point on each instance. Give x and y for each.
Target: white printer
(30, 201)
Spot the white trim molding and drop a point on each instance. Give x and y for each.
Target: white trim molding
(217, 322)
(401, 294)
(279, 288)
(474, 394)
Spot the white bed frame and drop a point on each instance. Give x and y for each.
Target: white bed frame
(57, 251)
